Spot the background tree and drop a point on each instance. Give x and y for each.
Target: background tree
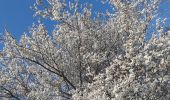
(89, 58)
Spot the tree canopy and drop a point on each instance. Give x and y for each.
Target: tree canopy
(87, 57)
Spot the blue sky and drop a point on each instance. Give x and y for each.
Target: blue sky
(17, 16)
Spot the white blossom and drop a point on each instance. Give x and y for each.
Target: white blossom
(89, 59)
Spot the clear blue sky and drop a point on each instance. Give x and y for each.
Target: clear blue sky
(16, 15)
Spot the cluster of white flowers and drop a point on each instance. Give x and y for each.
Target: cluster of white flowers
(89, 59)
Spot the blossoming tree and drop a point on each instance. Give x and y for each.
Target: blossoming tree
(87, 58)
